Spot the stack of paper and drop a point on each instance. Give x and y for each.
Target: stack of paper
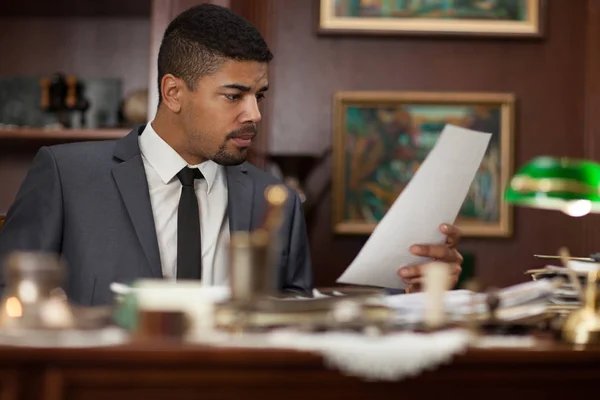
(569, 294)
(516, 302)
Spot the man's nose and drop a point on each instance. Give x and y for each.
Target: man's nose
(251, 111)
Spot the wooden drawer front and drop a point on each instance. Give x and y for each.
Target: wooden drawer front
(9, 384)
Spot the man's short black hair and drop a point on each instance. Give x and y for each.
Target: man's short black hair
(198, 40)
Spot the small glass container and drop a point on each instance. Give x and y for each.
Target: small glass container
(33, 298)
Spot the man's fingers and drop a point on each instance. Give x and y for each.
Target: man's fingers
(456, 269)
(413, 276)
(412, 289)
(453, 234)
(410, 272)
(417, 282)
(438, 252)
(452, 241)
(459, 257)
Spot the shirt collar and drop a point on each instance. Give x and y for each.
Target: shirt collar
(167, 162)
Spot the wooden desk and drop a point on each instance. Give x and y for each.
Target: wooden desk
(173, 372)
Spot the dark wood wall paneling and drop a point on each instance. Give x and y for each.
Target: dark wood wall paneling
(75, 8)
(555, 81)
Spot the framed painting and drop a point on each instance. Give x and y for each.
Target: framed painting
(503, 18)
(381, 138)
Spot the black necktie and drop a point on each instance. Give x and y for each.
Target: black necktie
(189, 251)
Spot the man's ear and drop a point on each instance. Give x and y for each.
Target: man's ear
(172, 89)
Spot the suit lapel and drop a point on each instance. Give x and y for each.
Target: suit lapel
(130, 178)
(241, 198)
(131, 181)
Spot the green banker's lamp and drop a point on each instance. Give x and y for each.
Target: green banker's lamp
(573, 187)
(563, 184)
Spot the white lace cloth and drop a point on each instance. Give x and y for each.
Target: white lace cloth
(389, 357)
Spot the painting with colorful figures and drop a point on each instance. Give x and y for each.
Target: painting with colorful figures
(459, 17)
(381, 138)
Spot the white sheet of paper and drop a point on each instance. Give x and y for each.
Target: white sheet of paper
(433, 196)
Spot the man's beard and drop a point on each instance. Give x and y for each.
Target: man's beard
(240, 154)
(228, 158)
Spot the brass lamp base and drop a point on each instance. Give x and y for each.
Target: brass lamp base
(582, 327)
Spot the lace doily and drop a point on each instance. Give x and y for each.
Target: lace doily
(388, 357)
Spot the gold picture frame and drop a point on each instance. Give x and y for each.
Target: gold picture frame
(504, 18)
(380, 138)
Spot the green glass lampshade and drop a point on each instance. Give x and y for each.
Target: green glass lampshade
(568, 185)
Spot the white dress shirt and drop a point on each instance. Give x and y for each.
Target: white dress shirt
(162, 163)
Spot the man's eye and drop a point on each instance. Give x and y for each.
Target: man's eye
(233, 97)
(260, 96)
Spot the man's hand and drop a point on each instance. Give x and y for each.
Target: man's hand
(413, 276)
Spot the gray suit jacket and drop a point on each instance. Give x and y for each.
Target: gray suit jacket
(90, 203)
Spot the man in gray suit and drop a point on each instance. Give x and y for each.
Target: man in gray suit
(162, 202)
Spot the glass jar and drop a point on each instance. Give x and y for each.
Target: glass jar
(33, 298)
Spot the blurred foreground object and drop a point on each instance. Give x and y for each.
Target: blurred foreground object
(583, 325)
(33, 298)
(514, 309)
(35, 311)
(172, 311)
(293, 170)
(301, 172)
(252, 254)
(437, 282)
(574, 303)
